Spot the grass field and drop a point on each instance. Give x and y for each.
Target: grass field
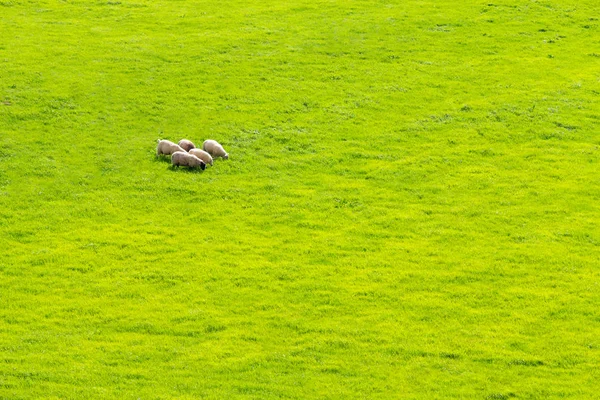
(410, 208)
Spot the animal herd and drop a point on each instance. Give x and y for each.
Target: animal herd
(186, 154)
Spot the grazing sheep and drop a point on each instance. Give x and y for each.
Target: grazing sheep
(180, 158)
(213, 148)
(167, 147)
(201, 154)
(186, 144)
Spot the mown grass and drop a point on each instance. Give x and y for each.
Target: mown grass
(410, 209)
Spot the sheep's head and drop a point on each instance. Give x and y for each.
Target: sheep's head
(226, 156)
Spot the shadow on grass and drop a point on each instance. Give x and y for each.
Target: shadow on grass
(186, 170)
(162, 158)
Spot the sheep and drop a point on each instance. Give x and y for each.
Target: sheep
(186, 145)
(213, 148)
(167, 147)
(180, 158)
(201, 154)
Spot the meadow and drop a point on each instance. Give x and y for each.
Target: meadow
(410, 208)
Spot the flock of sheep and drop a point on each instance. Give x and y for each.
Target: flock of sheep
(186, 154)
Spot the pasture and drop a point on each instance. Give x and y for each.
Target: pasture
(410, 208)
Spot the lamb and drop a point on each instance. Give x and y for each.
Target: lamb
(167, 147)
(180, 158)
(213, 148)
(187, 145)
(201, 154)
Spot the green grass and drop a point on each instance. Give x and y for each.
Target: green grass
(410, 208)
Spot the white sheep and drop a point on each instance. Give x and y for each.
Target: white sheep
(187, 145)
(213, 148)
(182, 158)
(203, 155)
(167, 147)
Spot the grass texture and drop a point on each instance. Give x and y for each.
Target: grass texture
(410, 208)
